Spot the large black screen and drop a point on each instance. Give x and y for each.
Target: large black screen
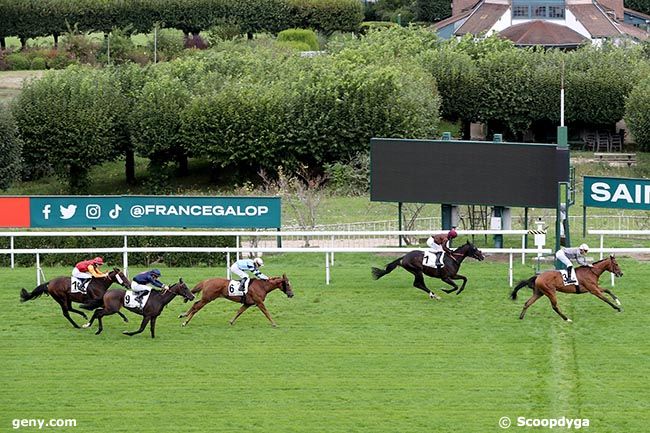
(467, 172)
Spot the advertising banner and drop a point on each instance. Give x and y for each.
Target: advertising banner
(618, 193)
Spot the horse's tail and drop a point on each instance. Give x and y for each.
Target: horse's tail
(529, 282)
(197, 288)
(378, 273)
(93, 304)
(38, 291)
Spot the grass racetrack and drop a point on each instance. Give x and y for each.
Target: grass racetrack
(355, 356)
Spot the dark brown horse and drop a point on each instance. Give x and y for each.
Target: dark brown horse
(257, 290)
(113, 300)
(413, 262)
(60, 289)
(550, 282)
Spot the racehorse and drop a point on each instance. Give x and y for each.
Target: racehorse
(60, 289)
(550, 282)
(413, 262)
(257, 290)
(114, 300)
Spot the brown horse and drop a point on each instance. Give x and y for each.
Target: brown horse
(60, 289)
(550, 282)
(114, 300)
(257, 290)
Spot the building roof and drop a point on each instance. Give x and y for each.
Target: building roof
(542, 33)
(633, 31)
(594, 19)
(483, 18)
(451, 20)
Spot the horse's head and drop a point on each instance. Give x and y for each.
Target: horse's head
(613, 267)
(473, 252)
(181, 289)
(117, 276)
(286, 286)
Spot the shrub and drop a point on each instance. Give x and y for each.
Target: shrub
(637, 114)
(60, 60)
(10, 149)
(38, 64)
(294, 45)
(308, 37)
(17, 62)
(170, 44)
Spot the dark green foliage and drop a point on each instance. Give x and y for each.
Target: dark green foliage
(115, 259)
(637, 114)
(10, 149)
(642, 6)
(68, 122)
(432, 10)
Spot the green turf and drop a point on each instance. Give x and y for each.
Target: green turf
(355, 356)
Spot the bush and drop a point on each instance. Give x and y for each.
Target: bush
(294, 45)
(351, 177)
(17, 62)
(308, 37)
(60, 60)
(170, 44)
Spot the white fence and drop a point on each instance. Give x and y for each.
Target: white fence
(328, 245)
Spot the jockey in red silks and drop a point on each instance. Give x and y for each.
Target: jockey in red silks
(88, 269)
(438, 244)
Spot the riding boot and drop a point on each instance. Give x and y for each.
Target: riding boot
(242, 284)
(569, 275)
(439, 260)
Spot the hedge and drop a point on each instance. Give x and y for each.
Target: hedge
(32, 18)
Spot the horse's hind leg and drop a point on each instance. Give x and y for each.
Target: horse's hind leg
(239, 313)
(419, 283)
(143, 325)
(553, 298)
(536, 295)
(81, 313)
(64, 309)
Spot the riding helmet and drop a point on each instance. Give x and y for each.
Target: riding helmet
(98, 260)
(584, 247)
(155, 272)
(258, 261)
(452, 234)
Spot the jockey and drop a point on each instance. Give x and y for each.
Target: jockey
(140, 281)
(438, 244)
(578, 254)
(88, 269)
(248, 265)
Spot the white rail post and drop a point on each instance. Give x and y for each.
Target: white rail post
(332, 251)
(12, 251)
(237, 245)
(510, 268)
(602, 240)
(228, 265)
(612, 277)
(38, 269)
(125, 257)
(523, 246)
(327, 268)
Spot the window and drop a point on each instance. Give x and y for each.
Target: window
(539, 12)
(556, 12)
(520, 12)
(538, 9)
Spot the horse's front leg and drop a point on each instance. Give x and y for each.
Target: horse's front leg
(64, 309)
(449, 280)
(614, 297)
(598, 292)
(419, 284)
(81, 313)
(262, 307)
(143, 325)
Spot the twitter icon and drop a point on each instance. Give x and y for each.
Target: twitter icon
(68, 212)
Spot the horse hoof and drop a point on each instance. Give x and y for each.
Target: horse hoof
(618, 302)
(85, 325)
(184, 324)
(569, 320)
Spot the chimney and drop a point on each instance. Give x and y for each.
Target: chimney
(613, 5)
(460, 6)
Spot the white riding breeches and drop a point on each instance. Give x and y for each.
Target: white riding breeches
(137, 287)
(563, 258)
(235, 269)
(435, 248)
(81, 275)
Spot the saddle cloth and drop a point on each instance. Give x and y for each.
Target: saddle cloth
(565, 277)
(77, 285)
(233, 288)
(130, 300)
(429, 259)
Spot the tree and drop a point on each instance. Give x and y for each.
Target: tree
(69, 121)
(637, 114)
(10, 148)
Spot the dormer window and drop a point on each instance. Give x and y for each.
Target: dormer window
(538, 9)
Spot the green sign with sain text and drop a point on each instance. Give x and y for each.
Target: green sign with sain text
(155, 211)
(614, 192)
